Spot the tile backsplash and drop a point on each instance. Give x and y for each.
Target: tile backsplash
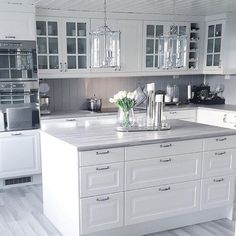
(71, 94)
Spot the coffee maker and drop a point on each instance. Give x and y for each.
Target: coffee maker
(44, 99)
(202, 95)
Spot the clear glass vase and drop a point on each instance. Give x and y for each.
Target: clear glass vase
(126, 119)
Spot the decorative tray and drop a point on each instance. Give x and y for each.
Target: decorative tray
(164, 127)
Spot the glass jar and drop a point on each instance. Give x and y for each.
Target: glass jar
(126, 119)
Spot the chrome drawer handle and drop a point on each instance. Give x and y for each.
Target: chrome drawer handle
(103, 168)
(70, 119)
(166, 160)
(102, 199)
(102, 153)
(220, 153)
(218, 180)
(164, 189)
(10, 37)
(221, 139)
(165, 145)
(173, 112)
(16, 134)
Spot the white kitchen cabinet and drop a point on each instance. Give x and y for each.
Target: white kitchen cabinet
(219, 143)
(17, 24)
(154, 50)
(161, 201)
(19, 153)
(101, 213)
(217, 191)
(220, 44)
(157, 171)
(101, 179)
(219, 162)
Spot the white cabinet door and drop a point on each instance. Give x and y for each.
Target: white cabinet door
(159, 202)
(19, 153)
(101, 179)
(101, 213)
(157, 171)
(220, 162)
(17, 26)
(217, 191)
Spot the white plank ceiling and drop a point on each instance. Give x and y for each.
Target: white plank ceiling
(183, 7)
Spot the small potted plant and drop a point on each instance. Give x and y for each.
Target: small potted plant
(126, 102)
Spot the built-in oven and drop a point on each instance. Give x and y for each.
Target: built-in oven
(18, 60)
(19, 86)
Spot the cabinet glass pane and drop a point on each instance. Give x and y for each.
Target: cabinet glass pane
(149, 46)
(70, 29)
(210, 46)
(41, 28)
(82, 62)
(81, 29)
(42, 45)
(82, 46)
(217, 45)
(4, 63)
(4, 74)
(150, 31)
(216, 60)
(71, 46)
(15, 74)
(53, 45)
(156, 46)
(13, 61)
(53, 62)
(218, 30)
(211, 31)
(52, 28)
(43, 62)
(71, 60)
(149, 61)
(182, 30)
(209, 60)
(156, 61)
(159, 30)
(173, 29)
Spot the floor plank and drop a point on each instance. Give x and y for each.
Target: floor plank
(21, 214)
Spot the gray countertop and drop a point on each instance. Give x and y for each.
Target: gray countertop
(100, 135)
(84, 113)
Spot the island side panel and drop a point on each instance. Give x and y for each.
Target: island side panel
(60, 173)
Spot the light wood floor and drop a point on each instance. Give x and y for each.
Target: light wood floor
(21, 215)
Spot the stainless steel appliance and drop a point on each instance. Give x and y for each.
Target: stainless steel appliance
(19, 87)
(18, 60)
(44, 98)
(94, 104)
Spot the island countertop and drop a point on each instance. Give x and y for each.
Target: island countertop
(91, 136)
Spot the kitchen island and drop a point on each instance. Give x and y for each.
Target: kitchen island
(100, 182)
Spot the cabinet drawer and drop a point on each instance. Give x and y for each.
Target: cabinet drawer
(217, 191)
(101, 213)
(180, 114)
(163, 149)
(159, 202)
(172, 169)
(101, 179)
(220, 162)
(102, 156)
(220, 143)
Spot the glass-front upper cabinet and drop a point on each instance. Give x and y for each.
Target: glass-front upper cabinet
(152, 44)
(76, 41)
(214, 41)
(48, 45)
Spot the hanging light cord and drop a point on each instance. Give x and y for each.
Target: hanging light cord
(105, 13)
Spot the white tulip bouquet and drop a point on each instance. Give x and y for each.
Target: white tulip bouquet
(126, 101)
